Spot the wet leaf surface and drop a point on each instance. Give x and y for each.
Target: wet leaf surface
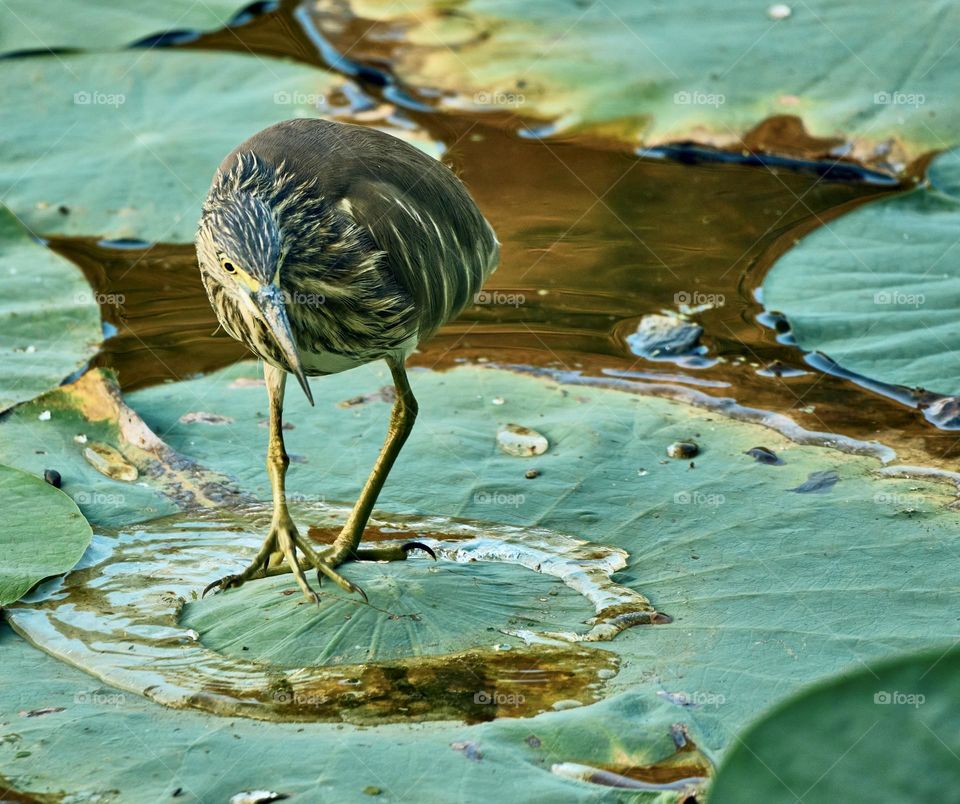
(152, 127)
(42, 533)
(49, 316)
(877, 291)
(648, 73)
(98, 24)
(829, 742)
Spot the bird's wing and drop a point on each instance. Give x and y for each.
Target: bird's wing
(437, 244)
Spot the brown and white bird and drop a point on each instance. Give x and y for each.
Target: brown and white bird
(324, 246)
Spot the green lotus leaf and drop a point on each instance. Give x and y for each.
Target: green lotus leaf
(877, 290)
(56, 430)
(43, 533)
(695, 69)
(773, 574)
(49, 317)
(421, 610)
(98, 24)
(761, 566)
(163, 750)
(155, 123)
(890, 726)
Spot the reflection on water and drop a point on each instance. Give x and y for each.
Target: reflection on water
(593, 239)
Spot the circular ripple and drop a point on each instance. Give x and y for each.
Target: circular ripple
(491, 629)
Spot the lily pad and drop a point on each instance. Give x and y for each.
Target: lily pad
(878, 290)
(49, 317)
(160, 121)
(56, 431)
(695, 535)
(690, 70)
(43, 533)
(827, 742)
(98, 24)
(768, 589)
(165, 750)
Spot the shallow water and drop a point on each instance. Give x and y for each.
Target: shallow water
(594, 238)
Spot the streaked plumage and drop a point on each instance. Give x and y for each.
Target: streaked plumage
(371, 260)
(323, 246)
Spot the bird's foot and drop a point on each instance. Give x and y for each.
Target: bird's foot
(278, 555)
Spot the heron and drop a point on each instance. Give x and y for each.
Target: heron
(324, 246)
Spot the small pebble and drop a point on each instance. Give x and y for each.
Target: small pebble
(682, 449)
(370, 790)
(498, 400)
(779, 11)
(63, 209)
(530, 474)
(520, 441)
(533, 741)
(52, 476)
(80, 438)
(567, 703)
(45, 416)
(764, 455)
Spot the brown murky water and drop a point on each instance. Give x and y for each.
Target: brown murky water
(593, 238)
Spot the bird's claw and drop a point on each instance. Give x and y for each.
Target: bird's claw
(221, 584)
(419, 546)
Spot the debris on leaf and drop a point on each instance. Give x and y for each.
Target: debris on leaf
(469, 749)
(110, 462)
(818, 482)
(257, 797)
(683, 449)
(46, 710)
(385, 394)
(202, 417)
(247, 382)
(764, 455)
(520, 441)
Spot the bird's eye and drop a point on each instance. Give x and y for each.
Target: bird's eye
(228, 266)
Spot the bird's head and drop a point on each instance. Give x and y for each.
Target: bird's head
(239, 248)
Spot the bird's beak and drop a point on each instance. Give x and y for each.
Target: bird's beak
(269, 301)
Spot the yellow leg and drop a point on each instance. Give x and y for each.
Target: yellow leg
(346, 546)
(402, 418)
(278, 554)
(283, 539)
